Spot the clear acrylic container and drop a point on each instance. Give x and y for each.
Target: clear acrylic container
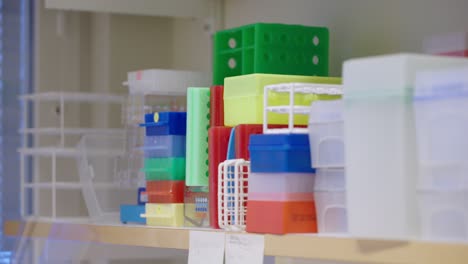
(326, 135)
(330, 201)
(443, 214)
(164, 146)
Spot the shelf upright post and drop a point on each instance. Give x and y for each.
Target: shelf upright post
(54, 190)
(22, 187)
(62, 121)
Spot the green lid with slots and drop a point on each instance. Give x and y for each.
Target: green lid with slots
(165, 169)
(198, 123)
(270, 48)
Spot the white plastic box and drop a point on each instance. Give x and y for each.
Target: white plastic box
(380, 153)
(444, 214)
(281, 186)
(326, 135)
(330, 201)
(441, 117)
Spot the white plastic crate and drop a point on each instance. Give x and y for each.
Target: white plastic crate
(326, 134)
(281, 186)
(444, 214)
(441, 118)
(104, 186)
(232, 194)
(330, 201)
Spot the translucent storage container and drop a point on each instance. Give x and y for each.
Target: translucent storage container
(444, 214)
(326, 134)
(281, 186)
(441, 117)
(330, 201)
(381, 153)
(104, 186)
(197, 211)
(165, 191)
(164, 146)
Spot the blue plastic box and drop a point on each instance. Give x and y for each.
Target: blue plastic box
(280, 153)
(142, 197)
(164, 146)
(165, 123)
(130, 213)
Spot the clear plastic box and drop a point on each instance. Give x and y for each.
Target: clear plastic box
(326, 134)
(330, 201)
(164, 146)
(443, 214)
(104, 186)
(281, 186)
(441, 118)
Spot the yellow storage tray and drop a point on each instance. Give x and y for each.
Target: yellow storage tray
(164, 214)
(243, 98)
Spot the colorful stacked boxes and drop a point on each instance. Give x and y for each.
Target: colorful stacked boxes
(281, 185)
(164, 167)
(270, 48)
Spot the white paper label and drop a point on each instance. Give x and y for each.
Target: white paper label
(244, 249)
(206, 247)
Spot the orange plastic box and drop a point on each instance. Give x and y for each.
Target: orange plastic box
(275, 217)
(165, 191)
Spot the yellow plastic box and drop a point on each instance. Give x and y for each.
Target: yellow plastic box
(164, 214)
(243, 98)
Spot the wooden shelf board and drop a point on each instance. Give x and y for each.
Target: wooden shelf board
(297, 246)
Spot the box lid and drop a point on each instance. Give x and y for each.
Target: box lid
(253, 84)
(279, 140)
(176, 122)
(390, 75)
(433, 85)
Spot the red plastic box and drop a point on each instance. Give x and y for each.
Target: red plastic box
(281, 217)
(218, 139)
(165, 191)
(216, 106)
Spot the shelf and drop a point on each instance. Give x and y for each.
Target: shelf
(307, 88)
(64, 152)
(72, 185)
(74, 97)
(284, 109)
(171, 8)
(71, 131)
(297, 246)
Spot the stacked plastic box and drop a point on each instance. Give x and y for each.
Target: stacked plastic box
(380, 153)
(441, 117)
(164, 168)
(281, 185)
(326, 137)
(450, 44)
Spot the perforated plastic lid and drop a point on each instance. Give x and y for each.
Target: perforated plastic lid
(326, 111)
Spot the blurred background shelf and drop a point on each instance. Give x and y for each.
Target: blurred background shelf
(296, 246)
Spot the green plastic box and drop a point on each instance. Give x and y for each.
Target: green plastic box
(198, 123)
(165, 169)
(243, 98)
(270, 48)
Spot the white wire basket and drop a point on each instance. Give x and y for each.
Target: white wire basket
(291, 109)
(232, 194)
